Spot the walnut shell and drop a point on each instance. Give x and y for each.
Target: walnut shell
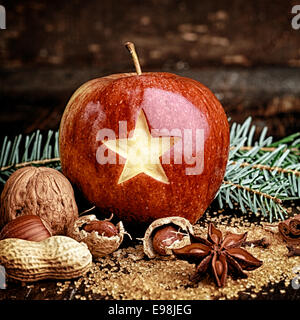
(99, 245)
(40, 191)
(184, 225)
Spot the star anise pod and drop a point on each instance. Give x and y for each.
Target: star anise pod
(221, 256)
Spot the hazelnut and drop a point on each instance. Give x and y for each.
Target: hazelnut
(104, 228)
(164, 237)
(101, 237)
(29, 227)
(165, 234)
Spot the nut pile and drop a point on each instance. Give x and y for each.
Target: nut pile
(40, 235)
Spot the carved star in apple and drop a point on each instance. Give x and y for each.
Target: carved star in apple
(142, 152)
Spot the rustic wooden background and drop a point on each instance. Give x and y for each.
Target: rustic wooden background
(246, 51)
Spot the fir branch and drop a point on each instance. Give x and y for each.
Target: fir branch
(257, 192)
(266, 149)
(30, 163)
(35, 150)
(260, 175)
(265, 167)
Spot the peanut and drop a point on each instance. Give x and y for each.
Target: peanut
(58, 257)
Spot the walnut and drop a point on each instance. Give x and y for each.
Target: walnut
(40, 191)
(99, 244)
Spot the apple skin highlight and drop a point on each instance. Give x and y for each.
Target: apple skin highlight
(169, 102)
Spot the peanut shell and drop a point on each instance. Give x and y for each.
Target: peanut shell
(57, 257)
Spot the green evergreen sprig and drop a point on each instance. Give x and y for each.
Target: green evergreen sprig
(260, 174)
(34, 149)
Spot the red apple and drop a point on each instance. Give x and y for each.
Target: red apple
(111, 165)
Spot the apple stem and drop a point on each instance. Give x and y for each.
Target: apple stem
(131, 48)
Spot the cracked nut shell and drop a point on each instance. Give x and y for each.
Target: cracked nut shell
(99, 244)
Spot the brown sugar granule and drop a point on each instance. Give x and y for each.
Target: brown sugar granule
(128, 274)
